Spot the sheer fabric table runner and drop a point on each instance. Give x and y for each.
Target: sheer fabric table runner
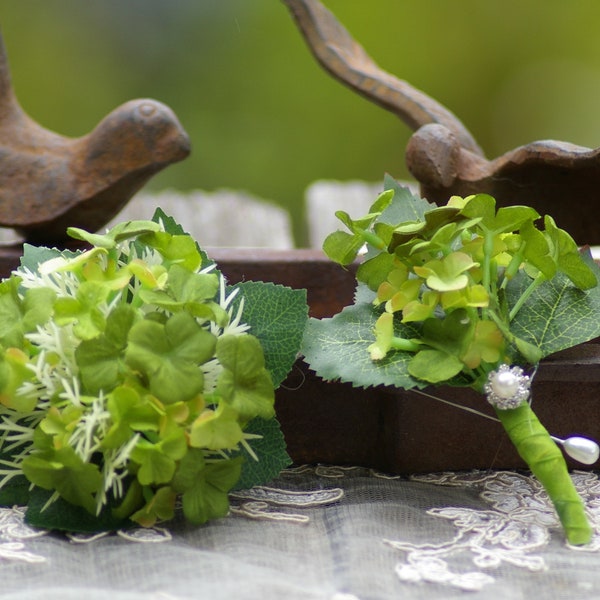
(326, 533)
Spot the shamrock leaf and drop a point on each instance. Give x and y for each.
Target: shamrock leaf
(435, 366)
(14, 372)
(160, 506)
(245, 383)
(188, 291)
(19, 316)
(169, 355)
(448, 273)
(157, 461)
(448, 338)
(486, 345)
(205, 487)
(129, 412)
(342, 247)
(374, 271)
(83, 310)
(176, 249)
(216, 429)
(101, 360)
(568, 259)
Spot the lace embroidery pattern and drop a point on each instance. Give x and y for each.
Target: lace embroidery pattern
(13, 535)
(262, 502)
(517, 525)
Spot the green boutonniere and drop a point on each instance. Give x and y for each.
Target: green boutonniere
(466, 295)
(132, 376)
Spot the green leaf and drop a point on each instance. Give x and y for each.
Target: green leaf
(374, 271)
(61, 515)
(384, 334)
(483, 207)
(405, 206)
(14, 372)
(271, 451)
(511, 218)
(435, 366)
(277, 317)
(159, 507)
(176, 249)
(102, 360)
(171, 226)
(169, 356)
(15, 492)
(19, 316)
(337, 349)
(62, 470)
(33, 256)
(447, 274)
(130, 412)
(216, 429)
(557, 315)
(244, 383)
(186, 290)
(205, 487)
(158, 461)
(342, 247)
(120, 232)
(83, 310)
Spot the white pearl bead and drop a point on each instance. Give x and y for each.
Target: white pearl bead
(582, 450)
(505, 384)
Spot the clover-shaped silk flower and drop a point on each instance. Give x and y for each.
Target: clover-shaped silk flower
(128, 378)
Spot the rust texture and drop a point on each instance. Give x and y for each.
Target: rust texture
(49, 182)
(442, 155)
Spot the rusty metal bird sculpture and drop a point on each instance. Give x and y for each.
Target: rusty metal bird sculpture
(49, 182)
(555, 177)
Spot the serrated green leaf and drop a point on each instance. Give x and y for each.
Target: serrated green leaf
(277, 316)
(557, 315)
(405, 206)
(61, 515)
(337, 349)
(271, 450)
(36, 255)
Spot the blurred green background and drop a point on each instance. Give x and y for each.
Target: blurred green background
(262, 115)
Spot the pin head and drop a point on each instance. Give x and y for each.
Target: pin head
(581, 449)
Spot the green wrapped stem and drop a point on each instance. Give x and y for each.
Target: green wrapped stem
(545, 459)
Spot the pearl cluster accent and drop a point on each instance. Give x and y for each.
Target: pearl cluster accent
(508, 387)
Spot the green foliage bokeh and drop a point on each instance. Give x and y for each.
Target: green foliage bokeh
(265, 118)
